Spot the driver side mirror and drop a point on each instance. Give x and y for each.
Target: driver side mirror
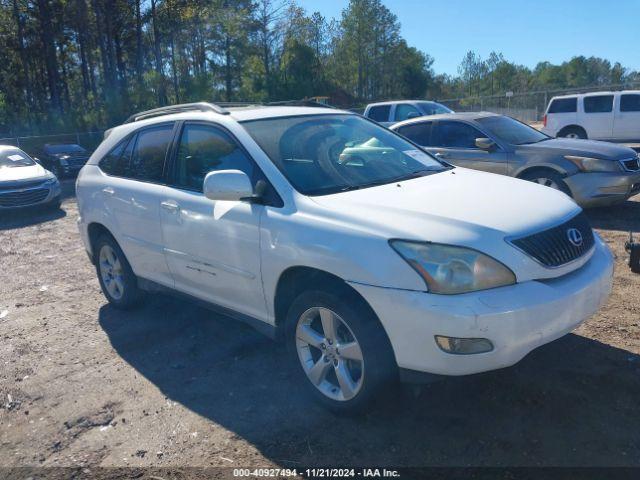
(230, 185)
(485, 144)
(412, 115)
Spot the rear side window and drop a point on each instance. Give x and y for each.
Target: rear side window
(419, 133)
(598, 104)
(455, 135)
(405, 111)
(379, 113)
(113, 163)
(147, 161)
(630, 102)
(564, 105)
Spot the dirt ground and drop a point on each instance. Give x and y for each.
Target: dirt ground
(171, 384)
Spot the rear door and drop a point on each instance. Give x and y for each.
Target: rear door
(455, 142)
(212, 247)
(597, 118)
(626, 124)
(133, 195)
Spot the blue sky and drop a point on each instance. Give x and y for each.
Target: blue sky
(526, 32)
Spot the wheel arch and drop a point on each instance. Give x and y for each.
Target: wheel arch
(95, 230)
(540, 168)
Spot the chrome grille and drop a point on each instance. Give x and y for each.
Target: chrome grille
(23, 198)
(553, 247)
(631, 165)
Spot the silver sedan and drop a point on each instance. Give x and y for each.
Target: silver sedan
(593, 173)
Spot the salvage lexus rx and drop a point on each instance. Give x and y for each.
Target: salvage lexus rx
(371, 265)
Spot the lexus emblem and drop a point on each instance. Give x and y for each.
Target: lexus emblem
(575, 237)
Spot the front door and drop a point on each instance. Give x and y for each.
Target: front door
(455, 142)
(212, 247)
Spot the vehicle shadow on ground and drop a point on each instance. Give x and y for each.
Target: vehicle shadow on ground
(623, 217)
(25, 217)
(572, 402)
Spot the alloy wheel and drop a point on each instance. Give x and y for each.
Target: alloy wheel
(111, 272)
(547, 182)
(329, 353)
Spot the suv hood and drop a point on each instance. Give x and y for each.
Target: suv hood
(582, 148)
(458, 207)
(13, 174)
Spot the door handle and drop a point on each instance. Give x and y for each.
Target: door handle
(170, 205)
(108, 191)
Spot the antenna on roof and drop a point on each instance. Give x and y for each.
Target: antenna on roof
(184, 107)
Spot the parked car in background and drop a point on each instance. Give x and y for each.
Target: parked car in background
(64, 159)
(388, 113)
(592, 173)
(613, 116)
(365, 267)
(24, 183)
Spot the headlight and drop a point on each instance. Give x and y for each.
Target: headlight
(52, 180)
(587, 164)
(449, 270)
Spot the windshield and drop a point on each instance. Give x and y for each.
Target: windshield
(15, 158)
(68, 148)
(433, 108)
(323, 154)
(511, 131)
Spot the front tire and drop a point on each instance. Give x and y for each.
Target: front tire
(117, 280)
(343, 355)
(548, 178)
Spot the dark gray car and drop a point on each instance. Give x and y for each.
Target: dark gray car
(593, 173)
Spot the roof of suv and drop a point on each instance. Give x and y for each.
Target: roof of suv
(392, 102)
(591, 94)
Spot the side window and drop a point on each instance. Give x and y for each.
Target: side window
(455, 135)
(630, 102)
(404, 110)
(598, 104)
(204, 149)
(419, 133)
(147, 160)
(564, 105)
(115, 162)
(379, 113)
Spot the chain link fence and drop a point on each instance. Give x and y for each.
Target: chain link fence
(525, 106)
(34, 144)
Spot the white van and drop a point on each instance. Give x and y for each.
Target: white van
(613, 116)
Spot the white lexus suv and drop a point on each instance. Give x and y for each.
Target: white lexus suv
(368, 257)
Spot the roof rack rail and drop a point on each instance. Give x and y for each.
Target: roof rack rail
(184, 107)
(299, 103)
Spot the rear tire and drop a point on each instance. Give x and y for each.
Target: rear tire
(117, 280)
(573, 132)
(343, 355)
(548, 178)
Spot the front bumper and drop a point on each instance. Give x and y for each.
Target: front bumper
(602, 189)
(516, 319)
(19, 197)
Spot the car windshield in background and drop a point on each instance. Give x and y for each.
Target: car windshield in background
(511, 131)
(433, 108)
(67, 148)
(15, 158)
(323, 154)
